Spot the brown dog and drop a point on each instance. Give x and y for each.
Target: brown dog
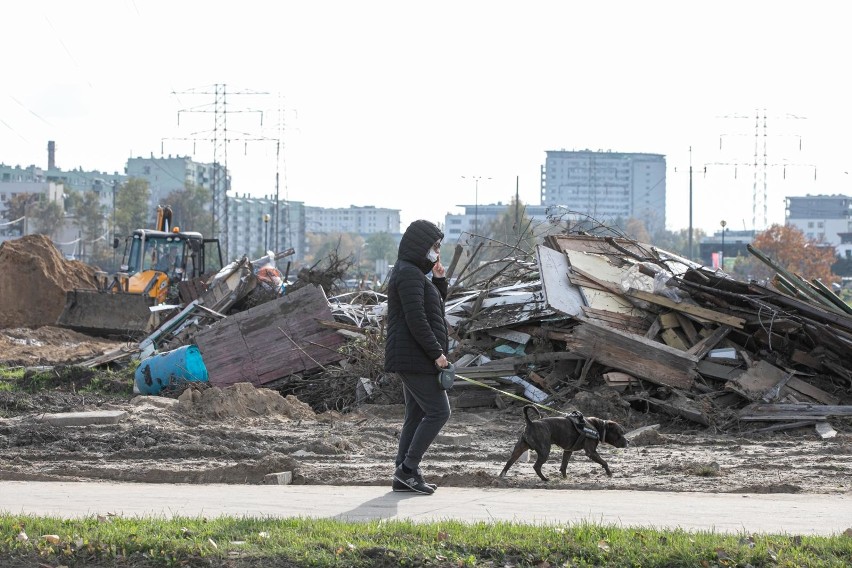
(540, 434)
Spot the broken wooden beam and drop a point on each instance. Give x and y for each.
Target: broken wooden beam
(631, 353)
(790, 412)
(690, 309)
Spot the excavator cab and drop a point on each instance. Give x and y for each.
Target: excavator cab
(154, 262)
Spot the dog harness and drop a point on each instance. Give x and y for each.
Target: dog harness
(583, 427)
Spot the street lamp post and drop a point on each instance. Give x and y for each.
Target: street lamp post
(265, 232)
(476, 199)
(722, 256)
(114, 242)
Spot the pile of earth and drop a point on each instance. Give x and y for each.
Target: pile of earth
(34, 277)
(49, 345)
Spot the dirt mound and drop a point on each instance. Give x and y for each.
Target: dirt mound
(243, 400)
(33, 280)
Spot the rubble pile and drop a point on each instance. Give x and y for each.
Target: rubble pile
(669, 335)
(34, 278)
(635, 325)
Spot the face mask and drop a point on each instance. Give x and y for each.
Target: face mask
(432, 256)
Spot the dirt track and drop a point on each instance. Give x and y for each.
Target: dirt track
(239, 436)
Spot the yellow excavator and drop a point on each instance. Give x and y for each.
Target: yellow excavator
(154, 262)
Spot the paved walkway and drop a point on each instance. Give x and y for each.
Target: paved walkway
(719, 512)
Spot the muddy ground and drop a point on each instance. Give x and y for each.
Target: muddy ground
(238, 435)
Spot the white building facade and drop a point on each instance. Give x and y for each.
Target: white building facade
(607, 185)
(251, 226)
(165, 175)
(364, 220)
(826, 218)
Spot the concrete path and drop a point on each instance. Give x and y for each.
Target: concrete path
(718, 512)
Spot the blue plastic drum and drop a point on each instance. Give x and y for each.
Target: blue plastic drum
(170, 369)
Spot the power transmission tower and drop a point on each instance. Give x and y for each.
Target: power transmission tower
(760, 164)
(221, 181)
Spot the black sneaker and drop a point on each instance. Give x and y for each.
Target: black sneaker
(412, 481)
(402, 488)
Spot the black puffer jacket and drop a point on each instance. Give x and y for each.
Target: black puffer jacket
(417, 331)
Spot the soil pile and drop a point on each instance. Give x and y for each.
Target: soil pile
(33, 280)
(49, 345)
(243, 400)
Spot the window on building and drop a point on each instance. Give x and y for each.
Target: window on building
(810, 224)
(820, 225)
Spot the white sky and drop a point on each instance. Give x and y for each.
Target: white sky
(391, 103)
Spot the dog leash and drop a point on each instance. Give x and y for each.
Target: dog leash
(481, 384)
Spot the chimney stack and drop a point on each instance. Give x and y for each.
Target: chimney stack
(51, 155)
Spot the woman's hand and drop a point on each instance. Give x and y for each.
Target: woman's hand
(441, 361)
(438, 271)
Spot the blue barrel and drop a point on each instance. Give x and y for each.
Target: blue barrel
(171, 368)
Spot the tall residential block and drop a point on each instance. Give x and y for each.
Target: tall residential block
(607, 186)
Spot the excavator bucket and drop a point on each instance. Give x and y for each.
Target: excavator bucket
(94, 312)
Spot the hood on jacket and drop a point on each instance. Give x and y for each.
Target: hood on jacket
(416, 242)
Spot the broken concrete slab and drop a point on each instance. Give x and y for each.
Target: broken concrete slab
(280, 478)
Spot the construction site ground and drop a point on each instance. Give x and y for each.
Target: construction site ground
(239, 435)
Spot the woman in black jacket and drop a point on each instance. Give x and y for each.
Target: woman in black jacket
(416, 347)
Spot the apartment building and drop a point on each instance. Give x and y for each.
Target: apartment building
(826, 218)
(364, 220)
(252, 222)
(607, 185)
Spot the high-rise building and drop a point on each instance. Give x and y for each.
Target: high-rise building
(607, 186)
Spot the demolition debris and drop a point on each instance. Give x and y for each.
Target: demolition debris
(578, 312)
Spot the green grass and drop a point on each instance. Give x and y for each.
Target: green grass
(69, 378)
(251, 542)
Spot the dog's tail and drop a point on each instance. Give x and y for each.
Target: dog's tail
(527, 408)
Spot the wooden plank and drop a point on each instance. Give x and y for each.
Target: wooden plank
(806, 308)
(802, 358)
(815, 393)
(790, 417)
(790, 426)
(618, 320)
(688, 328)
(271, 341)
(677, 405)
(668, 320)
(559, 293)
(672, 339)
(224, 353)
(718, 371)
(709, 342)
(697, 311)
(634, 354)
(759, 379)
(654, 329)
(809, 410)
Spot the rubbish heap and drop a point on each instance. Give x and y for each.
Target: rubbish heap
(580, 312)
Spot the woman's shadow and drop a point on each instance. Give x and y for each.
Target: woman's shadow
(385, 506)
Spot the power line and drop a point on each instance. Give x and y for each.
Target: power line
(220, 139)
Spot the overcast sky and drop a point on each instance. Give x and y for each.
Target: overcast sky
(400, 104)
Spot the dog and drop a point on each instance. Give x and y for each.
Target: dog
(542, 433)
